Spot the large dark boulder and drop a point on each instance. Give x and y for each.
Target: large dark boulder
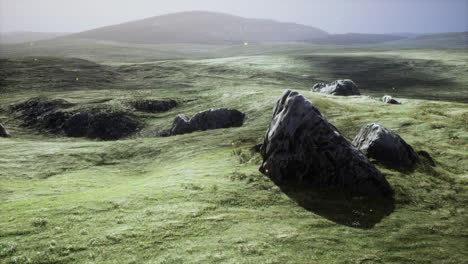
(153, 106)
(302, 148)
(209, 119)
(389, 100)
(4, 132)
(382, 144)
(340, 87)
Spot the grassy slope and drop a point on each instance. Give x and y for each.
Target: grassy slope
(198, 198)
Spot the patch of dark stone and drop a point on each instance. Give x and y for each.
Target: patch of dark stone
(100, 124)
(384, 145)
(317, 167)
(153, 106)
(339, 87)
(55, 116)
(42, 112)
(205, 120)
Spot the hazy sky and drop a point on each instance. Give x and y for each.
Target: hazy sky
(334, 16)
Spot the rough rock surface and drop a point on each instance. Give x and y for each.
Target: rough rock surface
(4, 132)
(209, 119)
(302, 147)
(100, 125)
(55, 116)
(217, 118)
(181, 125)
(340, 87)
(389, 100)
(42, 112)
(77, 125)
(153, 106)
(382, 144)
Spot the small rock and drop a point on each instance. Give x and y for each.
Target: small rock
(4, 132)
(301, 147)
(209, 119)
(382, 144)
(217, 118)
(389, 100)
(340, 87)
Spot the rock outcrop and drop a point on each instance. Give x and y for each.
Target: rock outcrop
(153, 106)
(100, 125)
(205, 120)
(57, 117)
(42, 112)
(389, 100)
(340, 87)
(4, 132)
(382, 144)
(301, 147)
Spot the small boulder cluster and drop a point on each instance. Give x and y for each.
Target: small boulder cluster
(205, 120)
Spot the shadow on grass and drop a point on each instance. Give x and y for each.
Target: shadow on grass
(339, 206)
(411, 78)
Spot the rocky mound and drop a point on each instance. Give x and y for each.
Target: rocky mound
(205, 120)
(153, 106)
(302, 148)
(382, 144)
(340, 87)
(55, 116)
(4, 132)
(42, 112)
(389, 100)
(100, 125)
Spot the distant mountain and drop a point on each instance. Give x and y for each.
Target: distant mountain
(202, 28)
(355, 39)
(24, 36)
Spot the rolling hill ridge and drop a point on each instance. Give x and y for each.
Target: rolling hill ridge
(203, 28)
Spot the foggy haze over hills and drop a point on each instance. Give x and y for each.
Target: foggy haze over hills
(333, 16)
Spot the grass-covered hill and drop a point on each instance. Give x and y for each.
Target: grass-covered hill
(199, 198)
(202, 27)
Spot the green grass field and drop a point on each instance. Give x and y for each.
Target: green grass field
(199, 198)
